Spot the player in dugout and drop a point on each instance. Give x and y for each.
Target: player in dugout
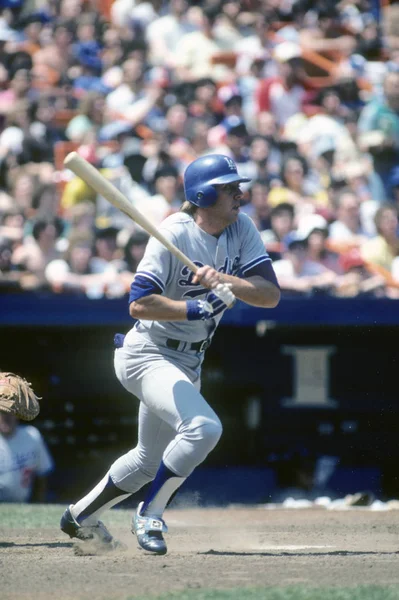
(159, 360)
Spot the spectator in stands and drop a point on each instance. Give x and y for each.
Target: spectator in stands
(227, 27)
(321, 161)
(205, 105)
(254, 45)
(383, 249)
(75, 191)
(132, 255)
(195, 52)
(112, 56)
(176, 122)
(258, 207)
(266, 125)
(331, 104)
(129, 89)
(45, 201)
(56, 48)
(134, 249)
(22, 188)
(358, 279)
(81, 216)
(25, 462)
(165, 33)
(326, 33)
(198, 136)
(235, 142)
(347, 228)
(284, 95)
(297, 273)
(313, 229)
(297, 188)
(12, 225)
(166, 199)
(19, 89)
(89, 118)
(264, 161)
(105, 248)
(10, 276)
(40, 249)
(281, 224)
(231, 98)
(379, 128)
(78, 273)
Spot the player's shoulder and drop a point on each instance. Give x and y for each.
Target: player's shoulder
(244, 218)
(177, 219)
(29, 431)
(244, 222)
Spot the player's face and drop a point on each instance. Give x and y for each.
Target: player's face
(228, 203)
(8, 424)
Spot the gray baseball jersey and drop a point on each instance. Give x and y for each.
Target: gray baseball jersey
(237, 250)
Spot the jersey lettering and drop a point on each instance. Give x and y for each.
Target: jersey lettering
(229, 267)
(188, 275)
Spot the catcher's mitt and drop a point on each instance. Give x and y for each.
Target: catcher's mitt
(17, 397)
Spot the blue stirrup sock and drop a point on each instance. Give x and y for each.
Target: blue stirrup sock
(163, 487)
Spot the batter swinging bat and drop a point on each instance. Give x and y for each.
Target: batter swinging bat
(105, 188)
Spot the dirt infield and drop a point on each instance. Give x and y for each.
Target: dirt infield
(224, 548)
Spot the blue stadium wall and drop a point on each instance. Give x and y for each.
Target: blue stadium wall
(314, 377)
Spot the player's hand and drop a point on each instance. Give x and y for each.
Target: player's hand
(207, 276)
(199, 310)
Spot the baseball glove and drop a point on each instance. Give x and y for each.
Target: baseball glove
(17, 397)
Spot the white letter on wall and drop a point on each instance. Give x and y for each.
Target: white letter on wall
(311, 376)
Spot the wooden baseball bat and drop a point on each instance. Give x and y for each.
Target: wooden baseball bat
(105, 188)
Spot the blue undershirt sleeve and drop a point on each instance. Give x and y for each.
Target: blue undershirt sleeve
(143, 285)
(265, 270)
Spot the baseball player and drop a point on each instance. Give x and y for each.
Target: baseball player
(25, 461)
(159, 360)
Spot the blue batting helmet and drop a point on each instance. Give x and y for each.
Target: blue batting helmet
(206, 172)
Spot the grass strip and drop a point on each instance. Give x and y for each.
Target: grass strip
(286, 593)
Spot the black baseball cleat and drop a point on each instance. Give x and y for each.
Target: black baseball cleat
(149, 532)
(98, 532)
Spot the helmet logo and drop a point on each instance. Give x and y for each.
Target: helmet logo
(231, 163)
(200, 195)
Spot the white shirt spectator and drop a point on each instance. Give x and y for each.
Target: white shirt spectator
(340, 232)
(163, 35)
(121, 98)
(285, 103)
(195, 51)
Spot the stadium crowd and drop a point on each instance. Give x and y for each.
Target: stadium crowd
(303, 95)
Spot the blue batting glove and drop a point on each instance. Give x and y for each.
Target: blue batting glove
(199, 310)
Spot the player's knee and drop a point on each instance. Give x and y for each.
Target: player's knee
(206, 431)
(213, 431)
(131, 471)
